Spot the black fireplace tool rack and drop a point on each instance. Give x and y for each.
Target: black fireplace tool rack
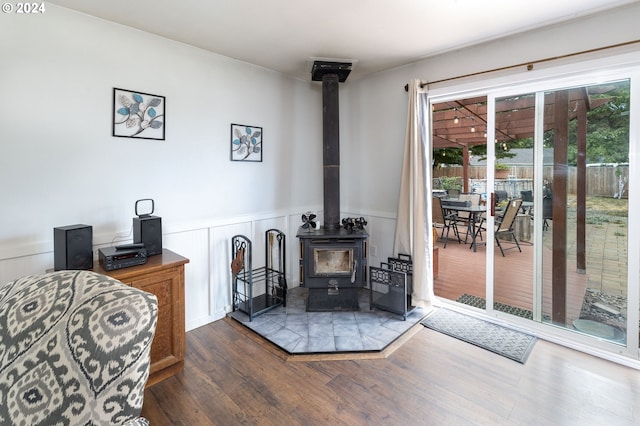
(256, 291)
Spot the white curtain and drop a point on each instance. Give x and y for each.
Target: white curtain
(413, 222)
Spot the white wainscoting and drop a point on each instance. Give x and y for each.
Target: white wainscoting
(208, 248)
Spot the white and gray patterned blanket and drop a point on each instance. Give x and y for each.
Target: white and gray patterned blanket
(74, 349)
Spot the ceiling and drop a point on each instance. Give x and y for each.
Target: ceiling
(286, 35)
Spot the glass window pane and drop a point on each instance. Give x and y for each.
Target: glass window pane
(459, 176)
(585, 236)
(514, 185)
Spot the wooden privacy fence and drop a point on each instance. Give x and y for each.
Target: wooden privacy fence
(602, 180)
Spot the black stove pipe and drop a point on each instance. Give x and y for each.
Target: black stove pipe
(331, 151)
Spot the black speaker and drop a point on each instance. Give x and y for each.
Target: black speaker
(148, 230)
(73, 247)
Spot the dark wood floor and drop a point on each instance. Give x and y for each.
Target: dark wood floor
(432, 379)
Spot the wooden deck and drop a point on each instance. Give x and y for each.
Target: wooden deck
(463, 271)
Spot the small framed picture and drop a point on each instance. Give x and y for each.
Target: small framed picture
(138, 115)
(246, 143)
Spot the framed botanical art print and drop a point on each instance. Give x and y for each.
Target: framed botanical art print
(138, 115)
(246, 143)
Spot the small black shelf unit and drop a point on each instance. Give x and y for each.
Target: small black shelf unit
(256, 291)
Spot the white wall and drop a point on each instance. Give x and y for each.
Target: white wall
(57, 147)
(60, 165)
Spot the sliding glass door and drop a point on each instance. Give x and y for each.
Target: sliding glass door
(554, 246)
(585, 235)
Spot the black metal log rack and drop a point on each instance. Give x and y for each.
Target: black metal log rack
(391, 285)
(256, 291)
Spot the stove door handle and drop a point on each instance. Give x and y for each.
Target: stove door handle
(353, 273)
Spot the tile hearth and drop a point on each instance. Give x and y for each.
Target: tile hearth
(299, 332)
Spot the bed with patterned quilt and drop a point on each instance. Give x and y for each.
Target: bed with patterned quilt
(74, 349)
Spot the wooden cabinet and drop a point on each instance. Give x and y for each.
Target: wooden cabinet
(162, 275)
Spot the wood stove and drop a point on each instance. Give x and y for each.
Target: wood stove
(333, 260)
(333, 267)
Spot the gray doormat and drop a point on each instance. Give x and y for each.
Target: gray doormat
(479, 302)
(496, 338)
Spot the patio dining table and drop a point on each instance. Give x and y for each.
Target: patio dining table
(452, 205)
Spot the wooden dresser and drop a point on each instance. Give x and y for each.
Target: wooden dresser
(162, 275)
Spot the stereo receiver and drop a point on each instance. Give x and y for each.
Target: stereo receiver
(113, 258)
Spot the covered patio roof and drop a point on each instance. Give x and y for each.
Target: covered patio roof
(514, 117)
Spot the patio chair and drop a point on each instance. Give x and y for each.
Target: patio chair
(504, 225)
(453, 193)
(501, 196)
(527, 195)
(443, 220)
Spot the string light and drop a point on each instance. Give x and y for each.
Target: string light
(456, 120)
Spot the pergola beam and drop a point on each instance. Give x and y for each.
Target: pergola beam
(581, 187)
(560, 180)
